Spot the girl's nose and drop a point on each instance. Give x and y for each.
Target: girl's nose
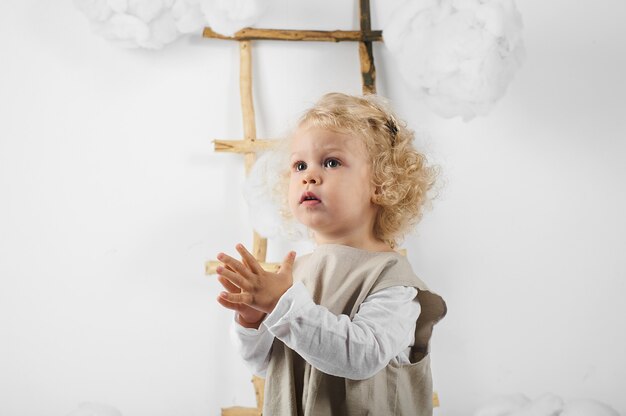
(311, 179)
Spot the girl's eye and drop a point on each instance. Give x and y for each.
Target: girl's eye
(332, 163)
(299, 166)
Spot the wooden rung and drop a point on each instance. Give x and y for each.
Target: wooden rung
(299, 35)
(243, 146)
(240, 411)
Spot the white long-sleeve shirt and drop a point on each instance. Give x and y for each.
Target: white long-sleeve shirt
(383, 330)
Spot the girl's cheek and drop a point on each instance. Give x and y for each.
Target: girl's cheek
(291, 194)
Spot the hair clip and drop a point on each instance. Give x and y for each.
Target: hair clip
(393, 129)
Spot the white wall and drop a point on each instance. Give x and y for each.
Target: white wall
(111, 200)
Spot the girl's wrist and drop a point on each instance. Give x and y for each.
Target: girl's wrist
(246, 324)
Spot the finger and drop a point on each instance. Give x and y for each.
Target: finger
(287, 264)
(237, 297)
(235, 278)
(233, 265)
(227, 304)
(237, 307)
(247, 257)
(228, 285)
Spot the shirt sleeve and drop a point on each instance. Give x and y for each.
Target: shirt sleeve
(356, 349)
(254, 346)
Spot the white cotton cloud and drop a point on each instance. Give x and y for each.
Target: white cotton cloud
(229, 16)
(188, 16)
(124, 30)
(118, 6)
(95, 10)
(260, 191)
(153, 24)
(545, 405)
(586, 407)
(458, 55)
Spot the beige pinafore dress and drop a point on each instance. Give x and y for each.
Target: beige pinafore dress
(340, 278)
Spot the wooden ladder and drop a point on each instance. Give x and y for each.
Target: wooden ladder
(250, 144)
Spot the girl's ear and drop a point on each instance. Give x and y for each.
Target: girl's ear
(376, 194)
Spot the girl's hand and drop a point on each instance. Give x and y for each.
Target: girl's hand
(246, 315)
(259, 289)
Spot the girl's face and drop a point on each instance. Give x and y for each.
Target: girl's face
(330, 189)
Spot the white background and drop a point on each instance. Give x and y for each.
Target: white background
(112, 199)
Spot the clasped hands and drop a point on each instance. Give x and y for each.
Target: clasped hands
(251, 291)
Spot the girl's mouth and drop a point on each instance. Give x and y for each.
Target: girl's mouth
(309, 198)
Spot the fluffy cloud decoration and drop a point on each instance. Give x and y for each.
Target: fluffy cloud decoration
(260, 191)
(460, 55)
(229, 16)
(153, 24)
(545, 405)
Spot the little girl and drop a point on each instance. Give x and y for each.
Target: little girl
(344, 330)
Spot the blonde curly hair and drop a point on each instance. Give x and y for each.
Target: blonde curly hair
(401, 175)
